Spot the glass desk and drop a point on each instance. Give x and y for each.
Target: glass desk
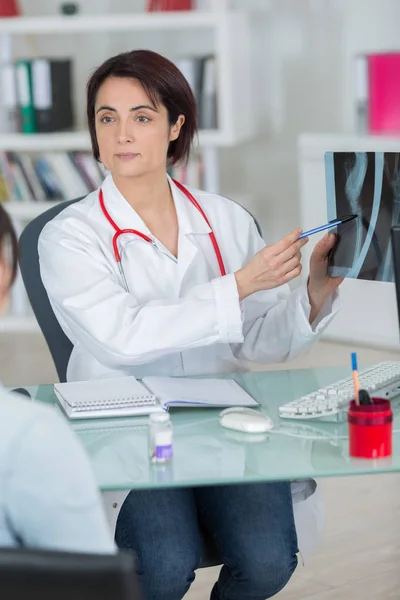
(205, 453)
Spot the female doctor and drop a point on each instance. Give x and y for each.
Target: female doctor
(148, 277)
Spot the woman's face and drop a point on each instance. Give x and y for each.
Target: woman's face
(133, 135)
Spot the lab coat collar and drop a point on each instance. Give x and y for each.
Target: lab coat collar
(189, 218)
(124, 216)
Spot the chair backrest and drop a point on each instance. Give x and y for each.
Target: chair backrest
(27, 573)
(59, 345)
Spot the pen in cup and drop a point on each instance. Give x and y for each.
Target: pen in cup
(356, 381)
(329, 225)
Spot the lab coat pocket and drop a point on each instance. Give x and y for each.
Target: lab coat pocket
(149, 273)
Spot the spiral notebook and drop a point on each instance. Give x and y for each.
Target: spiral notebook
(126, 396)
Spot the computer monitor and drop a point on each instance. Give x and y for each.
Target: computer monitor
(395, 235)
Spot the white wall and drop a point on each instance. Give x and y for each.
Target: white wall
(297, 53)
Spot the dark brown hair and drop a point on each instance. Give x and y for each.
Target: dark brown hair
(163, 83)
(8, 238)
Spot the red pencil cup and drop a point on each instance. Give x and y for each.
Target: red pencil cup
(370, 429)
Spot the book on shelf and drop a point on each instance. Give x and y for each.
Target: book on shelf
(47, 176)
(377, 93)
(201, 74)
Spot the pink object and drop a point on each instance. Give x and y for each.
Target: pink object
(9, 8)
(167, 5)
(370, 429)
(384, 93)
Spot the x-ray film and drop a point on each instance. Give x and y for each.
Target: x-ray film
(366, 184)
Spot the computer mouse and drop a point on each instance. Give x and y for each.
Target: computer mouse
(245, 419)
(21, 391)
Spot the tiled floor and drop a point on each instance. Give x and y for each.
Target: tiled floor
(359, 558)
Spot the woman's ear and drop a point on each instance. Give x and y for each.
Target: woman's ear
(176, 128)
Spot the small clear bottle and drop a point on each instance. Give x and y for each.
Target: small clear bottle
(160, 437)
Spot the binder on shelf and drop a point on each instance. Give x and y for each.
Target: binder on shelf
(9, 116)
(208, 98)
(52, 94)
(25, 96)
(361, 93)
(191, 68)
(200, 73)
(384, 93)
(377, 93)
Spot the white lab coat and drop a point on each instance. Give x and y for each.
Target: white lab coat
(180, 317)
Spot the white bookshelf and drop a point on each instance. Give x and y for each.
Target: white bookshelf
(80, 140)
(228, 38)
(227, 35)
(26, 211)
(161, 21)
(230, 34)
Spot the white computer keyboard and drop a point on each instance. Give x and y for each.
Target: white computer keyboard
(381, 380)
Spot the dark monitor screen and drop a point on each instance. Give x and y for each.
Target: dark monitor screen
(395, 235)
(366, 184)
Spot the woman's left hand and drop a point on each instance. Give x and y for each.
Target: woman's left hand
(320, 285)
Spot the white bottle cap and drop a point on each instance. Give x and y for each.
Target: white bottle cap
(159, 417)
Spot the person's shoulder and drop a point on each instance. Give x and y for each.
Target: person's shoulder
(33, 426)
(19, 417)
(75, 217)
(18, 406)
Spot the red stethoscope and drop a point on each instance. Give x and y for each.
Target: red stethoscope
(119, 232)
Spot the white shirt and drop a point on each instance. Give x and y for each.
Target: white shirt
(48, 495)
(179, 317)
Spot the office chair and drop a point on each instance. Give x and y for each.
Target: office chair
(59, 345)
(45, 575)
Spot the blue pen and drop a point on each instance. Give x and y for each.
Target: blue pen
(329, 225)
(356, 381)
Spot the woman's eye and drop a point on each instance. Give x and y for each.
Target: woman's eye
(106, 119)
(143, 119)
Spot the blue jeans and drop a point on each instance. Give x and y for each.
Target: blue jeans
(252, 526)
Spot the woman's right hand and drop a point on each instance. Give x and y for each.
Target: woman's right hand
(272, 266)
